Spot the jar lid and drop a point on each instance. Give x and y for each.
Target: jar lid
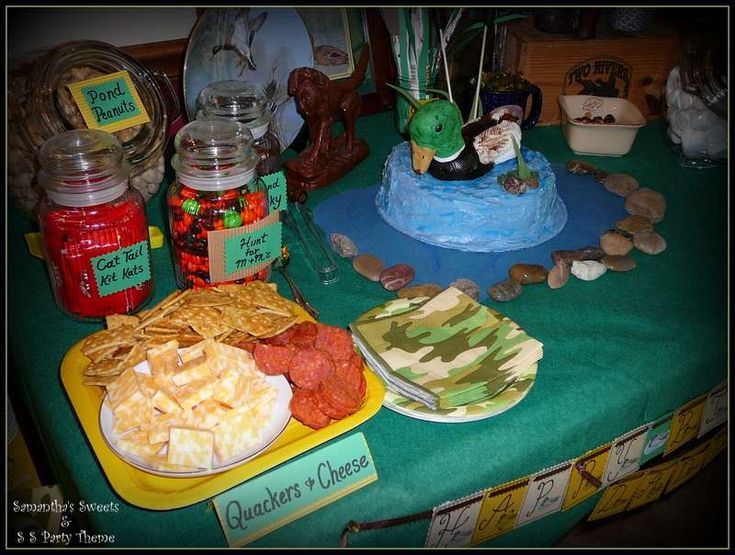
(214, 154)
(241, 101)
(83, 167)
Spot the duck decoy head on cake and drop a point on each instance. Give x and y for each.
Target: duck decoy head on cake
(449, 150)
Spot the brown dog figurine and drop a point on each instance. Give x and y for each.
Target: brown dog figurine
(322, 103)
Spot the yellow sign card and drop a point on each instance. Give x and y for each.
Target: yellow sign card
(685, 424)
(587, 470)
(109, 102)
(688, 465)
(715, 409)
(652, 484)
(617, 496)
(499, 511)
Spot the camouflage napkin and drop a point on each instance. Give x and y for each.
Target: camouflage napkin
(446, 351)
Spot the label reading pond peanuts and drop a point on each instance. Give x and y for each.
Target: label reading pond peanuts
(122, 269)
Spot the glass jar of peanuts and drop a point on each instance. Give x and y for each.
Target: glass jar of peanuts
(214, 197)
(41, 106)
(94, 227)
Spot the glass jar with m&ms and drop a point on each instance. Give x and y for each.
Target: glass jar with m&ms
(94, 226)
(213, 198)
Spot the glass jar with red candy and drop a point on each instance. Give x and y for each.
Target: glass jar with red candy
(246, 103)
(215, 190)
(94, 226)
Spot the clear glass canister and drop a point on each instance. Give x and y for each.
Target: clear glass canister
(41, 106)
(94, 226)
(214, 191)
(248, 104)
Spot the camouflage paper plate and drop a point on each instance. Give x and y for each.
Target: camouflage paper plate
(467, 413)
(447, 352)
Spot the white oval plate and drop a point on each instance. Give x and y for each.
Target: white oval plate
(263, 46)
(279, 420)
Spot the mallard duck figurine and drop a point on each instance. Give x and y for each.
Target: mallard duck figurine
(451, 151)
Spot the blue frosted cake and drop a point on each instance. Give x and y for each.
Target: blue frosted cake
(477, 215)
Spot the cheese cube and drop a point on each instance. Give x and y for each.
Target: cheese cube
(208, 414)
(160, 462)
(159, 426)
(190, 447)
(234, 435)
(131, 413)
(146, 384)
(229, 389)
(194, 393)
(164, 359)
(195, 369)
(194, 351)
(124, 387)
(137, 444)
(165, 402)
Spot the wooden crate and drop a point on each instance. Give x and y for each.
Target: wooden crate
(563, 64)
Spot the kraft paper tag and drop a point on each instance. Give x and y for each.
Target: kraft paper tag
(499, 511)
(685, 424)
(243, 251)
(453, 523)
(109, 102)
(625, 455)
(589, 466)
(545, 493)
(715, 409)
(263, 504)
(617, 496)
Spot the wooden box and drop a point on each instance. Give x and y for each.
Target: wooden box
(629, 66)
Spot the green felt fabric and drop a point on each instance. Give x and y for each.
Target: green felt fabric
(618, 353)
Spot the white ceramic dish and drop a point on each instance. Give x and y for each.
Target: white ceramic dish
(279, 419)
(600, 139)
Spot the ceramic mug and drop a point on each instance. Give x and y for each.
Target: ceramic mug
(494, 99)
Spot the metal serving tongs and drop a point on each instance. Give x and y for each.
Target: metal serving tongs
(298, 218)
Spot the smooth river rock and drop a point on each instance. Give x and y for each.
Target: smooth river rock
(397, 276)
(526, 274)
(619, 263)
(467, 286)
(620, 184)
(343, 245)
(649, 242)
(633, 225)
(579, 167)
(614, 242)
(505, 291)
(423, 290)
(559, 275)
(592, 253)
(588, 270)
(368, 266)
(646, 202)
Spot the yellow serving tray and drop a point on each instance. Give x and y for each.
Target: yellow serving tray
(158, 493)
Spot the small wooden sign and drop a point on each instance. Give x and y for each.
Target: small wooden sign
(259, 506)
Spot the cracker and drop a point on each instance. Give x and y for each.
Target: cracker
(104, 367)
(207, 297)
(99, 380)
(206, 321)
(118, 320)
(105, 339)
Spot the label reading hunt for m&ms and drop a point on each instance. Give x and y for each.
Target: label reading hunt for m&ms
(122, 269)
(252, 248)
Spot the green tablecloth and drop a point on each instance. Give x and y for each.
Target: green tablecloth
(618, 353)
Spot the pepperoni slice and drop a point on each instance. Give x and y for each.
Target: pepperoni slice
(304, 334)
(335, 341)
(350, 372)
(333, 394)
(309, 367)
(273, 360)
(305, 410)
(283, 338)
